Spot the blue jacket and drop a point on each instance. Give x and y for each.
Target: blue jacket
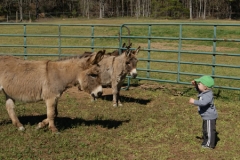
(206, 107)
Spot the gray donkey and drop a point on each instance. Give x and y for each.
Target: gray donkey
(114, 70)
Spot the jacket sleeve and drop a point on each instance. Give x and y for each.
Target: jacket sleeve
(204, 100)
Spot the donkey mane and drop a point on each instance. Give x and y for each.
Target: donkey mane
(75, 57)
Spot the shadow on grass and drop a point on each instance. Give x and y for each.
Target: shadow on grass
(217, 139)
(127, 99)
(63, 123)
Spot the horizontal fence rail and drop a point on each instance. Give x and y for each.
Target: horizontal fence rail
(170, 52)
(33, 36)
(158, 65)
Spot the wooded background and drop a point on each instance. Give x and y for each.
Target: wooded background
(170, 9)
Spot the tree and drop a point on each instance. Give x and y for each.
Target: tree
(20, 4)
(101, 8)
(190, 10)
(145, 8)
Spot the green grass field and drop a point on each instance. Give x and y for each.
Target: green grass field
(156, 121)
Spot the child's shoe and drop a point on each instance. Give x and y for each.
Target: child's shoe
(209, 147)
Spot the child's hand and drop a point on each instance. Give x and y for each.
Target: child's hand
(194, 83)
(191, 100)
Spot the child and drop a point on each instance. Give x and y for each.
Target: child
(206, 109)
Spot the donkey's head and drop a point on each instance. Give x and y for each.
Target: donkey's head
(131, 61)
(89, 79)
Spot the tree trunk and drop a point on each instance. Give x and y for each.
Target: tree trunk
(190, 9)
(200, 8)
(30, 19)
(16, 16)
(117, 8)
(204, 9)
(122, 8)
(101, 9)
(138, 8)
(87, 9)
(20, 10)
(230, 11)
(143, 8)
(131, 3)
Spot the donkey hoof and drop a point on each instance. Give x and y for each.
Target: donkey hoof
(37, 128)
(21, 128)
(120, 104)
(40, 125)
(93, 100)
(57, 133)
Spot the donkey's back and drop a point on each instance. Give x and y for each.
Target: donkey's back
(22, 79)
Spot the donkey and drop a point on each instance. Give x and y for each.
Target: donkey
(116, 52)
(32, 81)
(114, 70)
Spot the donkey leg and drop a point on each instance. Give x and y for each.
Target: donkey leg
(118, 94)
(10, 109)
(114, 91)
(118, 99)
(51, 114)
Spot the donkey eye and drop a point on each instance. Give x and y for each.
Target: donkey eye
(93, 75)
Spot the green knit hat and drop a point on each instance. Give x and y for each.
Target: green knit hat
(206, 81)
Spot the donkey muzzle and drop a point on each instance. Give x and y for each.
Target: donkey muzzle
(134, 75)
(97, 92)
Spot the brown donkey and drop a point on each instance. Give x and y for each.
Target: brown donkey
(114, 70)
(31, 81)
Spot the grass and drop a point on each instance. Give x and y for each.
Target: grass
(156, 124)
(156, 121)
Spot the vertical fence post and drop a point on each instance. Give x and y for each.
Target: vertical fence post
(120, 40)
(25, 41)
(59, 42)
(149, 46)
(92, 38)
(214, 49)
(179, 52)
(120, 52)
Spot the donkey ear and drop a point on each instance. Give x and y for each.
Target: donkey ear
(123, 46)
(129, 46)
(98, 57)
(137, 50)
(128, 52)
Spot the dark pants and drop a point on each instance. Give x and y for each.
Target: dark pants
(209, 132)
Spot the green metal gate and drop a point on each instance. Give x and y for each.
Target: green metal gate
(190, 50)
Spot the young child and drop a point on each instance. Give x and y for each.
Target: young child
(206, 109)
